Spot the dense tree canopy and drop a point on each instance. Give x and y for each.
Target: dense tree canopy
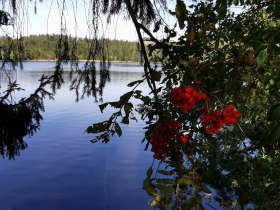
(42, 47)
(214, 109)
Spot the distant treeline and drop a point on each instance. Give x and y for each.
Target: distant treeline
(43, 47)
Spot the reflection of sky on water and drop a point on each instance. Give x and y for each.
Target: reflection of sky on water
(121, 74)
(61, 169)
(49, 66)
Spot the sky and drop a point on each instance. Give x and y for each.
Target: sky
(47, 20)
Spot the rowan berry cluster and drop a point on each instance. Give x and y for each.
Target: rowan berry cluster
(165, 136)
(186, 98)
(160, 137)
(213, 121)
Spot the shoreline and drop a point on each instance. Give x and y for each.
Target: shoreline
(82, 60)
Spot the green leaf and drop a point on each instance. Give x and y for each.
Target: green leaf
(127, 108)
(188, 182)
(274, 134)
(115, 104)
(165, 181)
(150, 190)
(223, 11)
(221, 7)
(146, 100)
(125, 97)
(98, 127)
(256, 1)
(205, 189)
(150, 172)
(181, 13)
(218, 3)
(147, 146)
(137, 93)
(103, 106)
(165, 189)
(125, 120)
(134, 83)
(148, 186)
(154, 203)
(185, 181)
(262, 57)
(201, 207)
(235, 2)
(118, 129)
(189, 204)
(274, 113)
(164, 172)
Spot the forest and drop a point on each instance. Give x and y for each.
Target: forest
(43, 47)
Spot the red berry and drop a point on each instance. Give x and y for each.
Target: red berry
(189, 89)
(185, 139)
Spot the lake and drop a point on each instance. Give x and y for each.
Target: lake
(61, 168)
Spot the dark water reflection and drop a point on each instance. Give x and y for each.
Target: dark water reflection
(61, 169)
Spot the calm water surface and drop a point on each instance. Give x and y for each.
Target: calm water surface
(61, 168)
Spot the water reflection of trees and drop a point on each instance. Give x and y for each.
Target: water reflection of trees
(20, 119)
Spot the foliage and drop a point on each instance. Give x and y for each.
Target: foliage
(42, 47)
(18, 119)
(228, 140)
(213, 112)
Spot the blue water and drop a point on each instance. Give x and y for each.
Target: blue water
(61, 168)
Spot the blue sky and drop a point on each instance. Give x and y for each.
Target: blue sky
(47, 20)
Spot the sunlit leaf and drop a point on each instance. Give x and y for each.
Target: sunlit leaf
(262, 57)
(156, 200)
